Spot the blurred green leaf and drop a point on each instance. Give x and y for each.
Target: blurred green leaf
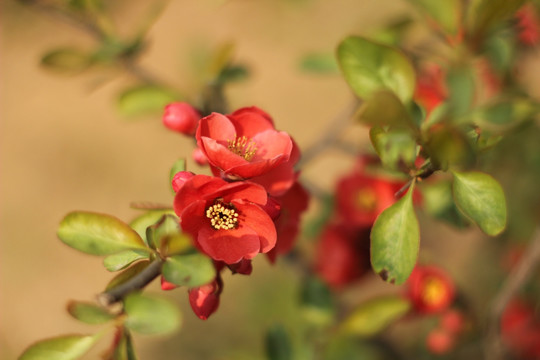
(316, 301)
(393, 33)
(370, 67)
(141, 223)
(373, 316)
(482, 15)
(445, 13)
(145, 100)
(461, 86)
(437, 201)
(278, 344)
(395, 241)
(480, 197)
(313, 227)
(189, 270)
(348, 348)
(127, 274)
(500, 50)
(67, 347)
(384, 108)
(121, 260)
(151, 315)
(233, 73)
(67, 60)
(124, 349)
(319, 63)
(97, 234)
(395, 147)
(89, 313)
(448, 146)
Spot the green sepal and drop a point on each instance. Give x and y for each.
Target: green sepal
(395, 240)
(97, 234)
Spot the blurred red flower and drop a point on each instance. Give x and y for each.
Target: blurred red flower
(226, 220)
(430, 87)
(430, 289)
(520, 329)
(528, 25)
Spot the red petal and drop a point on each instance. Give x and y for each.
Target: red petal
(250, 121)
(256, 219)
(219, 155)
(217, 127)
(229, 246)
(204, 300)
(241, 190)
(195, 189)
(272, 144)
(278, 180)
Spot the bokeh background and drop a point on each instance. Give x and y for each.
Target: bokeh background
(64, 147)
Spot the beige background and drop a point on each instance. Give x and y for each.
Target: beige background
(64, 147)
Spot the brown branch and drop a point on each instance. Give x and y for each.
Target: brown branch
(493, 346)
(137, 282)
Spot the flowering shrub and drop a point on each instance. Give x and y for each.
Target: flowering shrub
(442, 108)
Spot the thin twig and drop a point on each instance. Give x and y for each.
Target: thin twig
(494, 349)
(331, 135)
(137, 282)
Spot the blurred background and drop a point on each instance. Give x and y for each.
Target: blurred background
(64, 146)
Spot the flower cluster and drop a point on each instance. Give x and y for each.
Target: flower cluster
(251, 204)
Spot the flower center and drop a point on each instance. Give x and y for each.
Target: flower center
(242, 146)
(222, 216)
(366, 199)
(434, 291)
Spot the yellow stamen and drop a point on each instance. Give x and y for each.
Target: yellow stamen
(434, 291)
(243, 147)
(222, 217)
(366, 199)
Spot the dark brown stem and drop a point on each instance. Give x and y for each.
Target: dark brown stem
(494, 349)
(137, 282)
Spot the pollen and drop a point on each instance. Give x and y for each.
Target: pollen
(434, 291)
(222, 216)
(242, 146)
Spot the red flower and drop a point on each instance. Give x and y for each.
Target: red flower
(244, 144)
(342, 255)
(430, 87)
(361, 198)
(528, 25)
(520, 329)
(226, 220)
(430, 289)
(181, 117)
(440, 341)
(292, 204)
(204, 300)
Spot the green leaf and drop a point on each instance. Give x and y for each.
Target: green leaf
(179, 165)
(166, 236)
(127, 274)
(437, 201)
(141, 223)
(67, 347)
(395, 147)
(483, 15)
(89, 313)
(233, 73)
(66, 60)
(369, 67)
(461, 86)
(124, 349)
(122, 260)
(395, 240)
(319, 63)
(348, 347)
(189, 270)
(448, 146)
(375, 315)
(278, 344)
(149, 314)
(480, 197)
(145, 100)
(446, 13)
(97, 234)
(317, 305)
(384, 108)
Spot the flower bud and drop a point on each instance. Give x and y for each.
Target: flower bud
(180, 178)
(199, 157)
(181, 117)
(440, 341)
(204, 300)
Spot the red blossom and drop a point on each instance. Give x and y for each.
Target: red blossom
(342, 254)
(430, 289)
(293, 203)
(204, 300)
(430, 89)
(226, 220)
(528, 25)
(440, 341)
(360, 198)
(181, 117)
(520, 329)
(244, 144)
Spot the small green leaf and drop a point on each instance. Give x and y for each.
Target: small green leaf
(167, 236)
(395, 147)
(67, 347)
(127, 274)
(124, 349)
(89, 313)
(448, 146)
(233, 73)
(384, 108)
(145, 100)
(369, 67)
(317, 305)
(375, 315)
(278, 344)
(395, 241)
(122, 260)
(319, 63)
(97, 234)
(437, 201)
(149, 314)
(189, 270)
(141, 223)
(66, 60)
(461, 86)
(445, 13)
(480, 197)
